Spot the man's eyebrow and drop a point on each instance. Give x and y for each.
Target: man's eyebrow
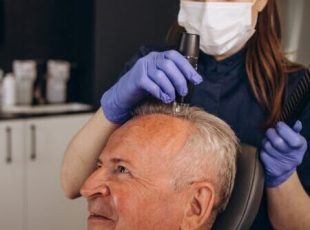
(115, 161)
(120, 160)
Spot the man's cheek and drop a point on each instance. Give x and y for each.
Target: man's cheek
(130, 210)
(125, 202)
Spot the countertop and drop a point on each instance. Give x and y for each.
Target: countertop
(28, 112)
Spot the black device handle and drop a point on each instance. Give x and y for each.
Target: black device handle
(297, 101)
(189, 48)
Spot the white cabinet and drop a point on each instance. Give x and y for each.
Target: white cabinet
(12, 175)
(32, 179)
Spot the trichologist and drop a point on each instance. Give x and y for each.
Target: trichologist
(243, 77)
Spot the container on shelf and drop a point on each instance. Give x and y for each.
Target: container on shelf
(1, 78)
(9, 90)
(25, 73)
(58, 73)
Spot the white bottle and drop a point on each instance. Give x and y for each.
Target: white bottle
(1, 77)
(9, 90)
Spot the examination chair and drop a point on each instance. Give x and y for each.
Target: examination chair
(247, 193)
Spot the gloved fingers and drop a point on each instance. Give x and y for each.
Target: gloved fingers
(173, 73)
(290, 136)
(297, 126)
(271, 150)
(161, 79)
(280, 159)
(152, 88)
(184, 66)
(277, 141)
(269, 163)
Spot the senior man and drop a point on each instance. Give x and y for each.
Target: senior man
(163, 171)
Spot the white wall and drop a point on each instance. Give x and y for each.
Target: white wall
(295, 19)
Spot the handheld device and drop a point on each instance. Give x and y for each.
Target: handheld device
(189, 48)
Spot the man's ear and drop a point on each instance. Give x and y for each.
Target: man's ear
(199, 206)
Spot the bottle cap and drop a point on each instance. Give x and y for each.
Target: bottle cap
(189, 45)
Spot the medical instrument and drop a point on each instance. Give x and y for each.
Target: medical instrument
(189, 48)
(297, 101)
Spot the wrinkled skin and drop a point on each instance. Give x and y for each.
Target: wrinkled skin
(133, 187)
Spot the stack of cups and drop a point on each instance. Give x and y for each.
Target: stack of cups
(25, 73)
(58, 73)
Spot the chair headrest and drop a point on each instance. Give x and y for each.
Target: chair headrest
(247, 193)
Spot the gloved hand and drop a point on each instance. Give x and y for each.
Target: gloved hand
(282, 151)
(160, 74)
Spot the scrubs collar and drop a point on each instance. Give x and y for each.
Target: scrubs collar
(209, 64)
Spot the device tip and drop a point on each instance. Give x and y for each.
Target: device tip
(179, 108)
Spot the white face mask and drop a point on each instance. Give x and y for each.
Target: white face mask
(224, 28)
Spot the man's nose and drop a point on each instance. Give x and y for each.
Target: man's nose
(95, 185)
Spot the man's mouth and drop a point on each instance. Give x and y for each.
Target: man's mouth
(98, 217)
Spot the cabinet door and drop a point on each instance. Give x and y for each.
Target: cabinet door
(12, 176)
(47, 208)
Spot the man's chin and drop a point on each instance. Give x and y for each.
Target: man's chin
(100, 223)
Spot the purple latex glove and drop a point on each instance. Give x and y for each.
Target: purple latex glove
(282, 151)
(159, 74)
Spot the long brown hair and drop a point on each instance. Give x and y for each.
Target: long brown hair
(266, 65)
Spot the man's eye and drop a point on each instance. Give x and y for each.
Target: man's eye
(122, 169)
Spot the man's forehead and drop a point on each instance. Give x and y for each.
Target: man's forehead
(154, 133)
(153, 124)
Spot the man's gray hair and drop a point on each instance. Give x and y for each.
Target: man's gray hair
(210, 151)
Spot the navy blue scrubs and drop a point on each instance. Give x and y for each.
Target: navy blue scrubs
(226, 93)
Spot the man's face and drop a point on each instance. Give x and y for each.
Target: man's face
(133, 186)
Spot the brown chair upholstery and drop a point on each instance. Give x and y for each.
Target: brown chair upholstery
(247, 193)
